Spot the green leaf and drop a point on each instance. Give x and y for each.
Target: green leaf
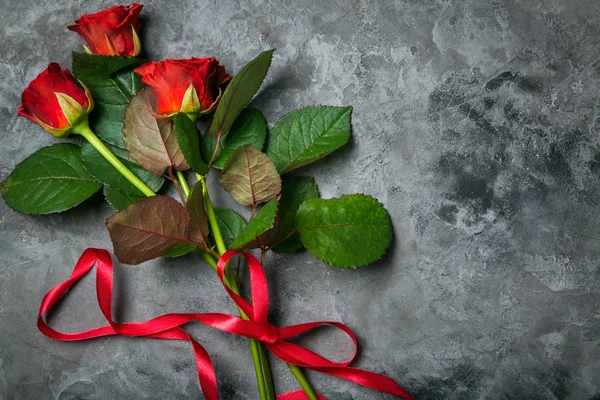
(189, 142)
(306, 135)
(250, 176)
(262, 222)
(104, 172)
(148, 228)
(179, 250)
(95, 66)
(195, 206)
(117, 151)
(151, 142)
(112, 83)
(239, 92)
(119, 200)
(230, 223)
(249, 128)
(294, 190)
(50, 180)
(347, 232)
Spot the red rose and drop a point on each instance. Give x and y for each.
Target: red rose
(189, 86)
(55, 101)
(112, 32)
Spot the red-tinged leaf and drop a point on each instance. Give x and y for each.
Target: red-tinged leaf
(199, 223)
(151, 142)
(148, 228)
(250, 176)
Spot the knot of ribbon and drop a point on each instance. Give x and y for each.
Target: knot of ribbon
(257, 326)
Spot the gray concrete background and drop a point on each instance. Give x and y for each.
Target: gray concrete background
(476, 123)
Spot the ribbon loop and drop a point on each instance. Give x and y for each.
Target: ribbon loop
(168, 327)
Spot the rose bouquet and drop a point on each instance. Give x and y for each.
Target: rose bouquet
(138, 120)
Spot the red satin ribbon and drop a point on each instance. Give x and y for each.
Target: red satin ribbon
(258, 327)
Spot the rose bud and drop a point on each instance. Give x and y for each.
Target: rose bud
(112, 32)
(189, 86)
(55, 101)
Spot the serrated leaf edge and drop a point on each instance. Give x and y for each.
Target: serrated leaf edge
(349, 109)
(270, 227)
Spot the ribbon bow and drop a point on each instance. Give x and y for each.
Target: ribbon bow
(258, 327)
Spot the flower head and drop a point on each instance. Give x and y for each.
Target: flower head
(111, 32)
(55, 101)
(191, 86)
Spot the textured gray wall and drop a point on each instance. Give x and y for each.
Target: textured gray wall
(475, 123)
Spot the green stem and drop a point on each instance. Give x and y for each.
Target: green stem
(209, 259)
(183, 183)
(212, 219)
(254, 344)
(268, 374)
(310, 392)
(85, 131)
(264, 357)
(230, 281)
(258, 369)
(232, 284)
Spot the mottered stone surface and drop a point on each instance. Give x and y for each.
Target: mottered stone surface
(475, 123)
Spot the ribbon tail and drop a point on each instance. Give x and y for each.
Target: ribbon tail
(368, 379)
(204, 365)
(206, 371)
